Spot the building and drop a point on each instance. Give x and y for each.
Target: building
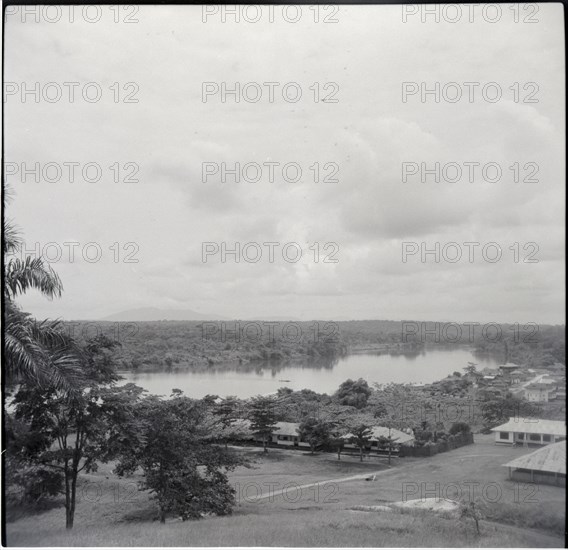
(539, 392)
(509, 368)
(530, 431)
(286, 434)
(546, 465)
(379, 432)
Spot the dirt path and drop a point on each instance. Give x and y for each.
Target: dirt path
(271, 494)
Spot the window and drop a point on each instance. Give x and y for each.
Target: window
(546, 438)
(534, 437)
(521, 436)
(503, 435)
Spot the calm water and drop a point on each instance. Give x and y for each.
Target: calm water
(323, 377)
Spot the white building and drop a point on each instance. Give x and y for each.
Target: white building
(530, 431)
(286, 434)
(539, 393)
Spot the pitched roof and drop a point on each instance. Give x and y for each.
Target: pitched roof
(286, 428)
(533, 426)
(381, 431)
(551, 458)
(397, 435)
(539, 386)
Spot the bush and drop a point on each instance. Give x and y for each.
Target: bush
(460, 427)
(38, 483)
(425, 435)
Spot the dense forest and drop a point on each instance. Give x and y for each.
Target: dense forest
(204, 344)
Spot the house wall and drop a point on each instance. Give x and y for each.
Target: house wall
(538, 396)
(500, 437)
(290, 441)
(520, 438)
(539, 477)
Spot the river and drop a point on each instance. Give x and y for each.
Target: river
(264, 378)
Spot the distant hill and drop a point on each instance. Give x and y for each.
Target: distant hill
(156, 314)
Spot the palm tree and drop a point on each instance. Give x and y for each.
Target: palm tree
(38, 352)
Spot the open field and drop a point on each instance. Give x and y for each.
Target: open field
(343, 528)
(289, 498)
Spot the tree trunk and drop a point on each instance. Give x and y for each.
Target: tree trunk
(68, 513)
(162, 515)
(338, 453)
(73, 497)
(389, 453)
(361, 456)
(264, 444)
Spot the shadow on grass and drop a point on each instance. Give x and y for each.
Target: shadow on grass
(16, 510)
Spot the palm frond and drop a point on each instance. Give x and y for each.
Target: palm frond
(21, 275)
(12, 240)
(39, 352)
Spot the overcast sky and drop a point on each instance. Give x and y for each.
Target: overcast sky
(368, 134)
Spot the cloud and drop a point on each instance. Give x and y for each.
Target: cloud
(361, 141)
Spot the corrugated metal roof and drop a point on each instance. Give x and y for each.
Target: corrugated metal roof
(533, 426)
(286, 428)
(551, 458)
(381, 431)
(397, 435)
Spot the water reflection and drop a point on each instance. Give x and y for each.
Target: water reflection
(323, 375)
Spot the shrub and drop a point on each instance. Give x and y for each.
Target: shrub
(460, 427)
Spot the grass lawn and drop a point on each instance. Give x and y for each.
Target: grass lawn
(284, 500)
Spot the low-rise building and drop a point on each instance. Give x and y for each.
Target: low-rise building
(287, 434)
(539, 393)
(378, 433)
(530, 431)
(509, 368)
(546, 465)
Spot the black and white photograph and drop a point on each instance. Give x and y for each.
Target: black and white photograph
(284, 275)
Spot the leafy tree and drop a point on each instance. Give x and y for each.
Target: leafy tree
(183, 467)
(316, 432)
(70, 433)
(471, 369)
(389, 441)
(470, 509)
(337, 417)
(354, 393)
(262, 415)
(227, 414)
(361, 431)
(497, 411)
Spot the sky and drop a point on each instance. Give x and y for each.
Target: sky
(161, 215)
